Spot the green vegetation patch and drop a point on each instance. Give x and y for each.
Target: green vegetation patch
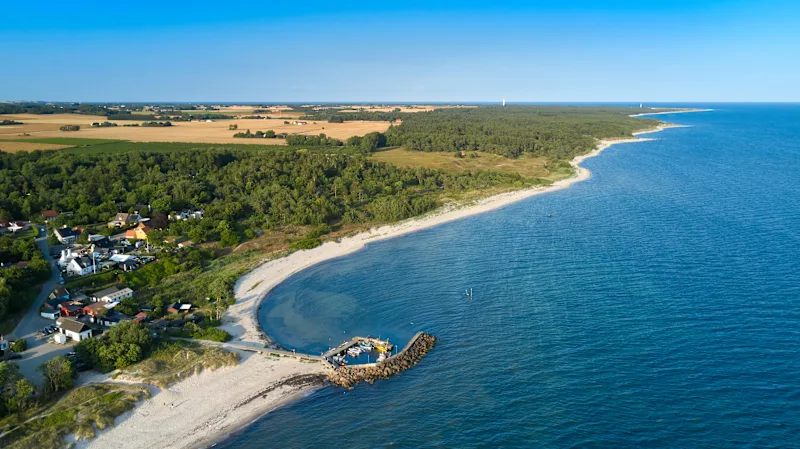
(82, 411)
(177, 360)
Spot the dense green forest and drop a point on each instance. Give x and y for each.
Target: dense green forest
(555, 132)
(257, 190)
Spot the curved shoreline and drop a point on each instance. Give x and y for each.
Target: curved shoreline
(221, 403)
(241, 319)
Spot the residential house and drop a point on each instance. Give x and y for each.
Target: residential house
(138, 233)
(123, 219)
(178, 308)
(128, 265)
(60, 293)
(187, 214)
(81, 266)
(71, 308)
(94, 309)
(73, 329)
(112, 294)
(140, 317)
(16, 226)
(112, 318)
(50, 215)
(51, 309)
(186, 244)
(67, 236)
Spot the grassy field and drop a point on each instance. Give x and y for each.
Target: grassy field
(529, 168)
(81, 411)
(177, 360)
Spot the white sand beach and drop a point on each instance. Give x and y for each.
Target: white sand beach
(205, 408)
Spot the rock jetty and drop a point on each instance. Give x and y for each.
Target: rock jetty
(350, 376)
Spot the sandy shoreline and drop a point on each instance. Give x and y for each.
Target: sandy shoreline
(678, 111)
(208, 407)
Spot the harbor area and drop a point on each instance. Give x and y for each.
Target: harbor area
(359, 351)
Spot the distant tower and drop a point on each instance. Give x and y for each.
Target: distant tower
(640, 105)
(504, 102)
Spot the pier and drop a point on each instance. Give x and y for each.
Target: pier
(410, 355)
(338, 353)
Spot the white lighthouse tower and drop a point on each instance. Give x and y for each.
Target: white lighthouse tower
(504, 102)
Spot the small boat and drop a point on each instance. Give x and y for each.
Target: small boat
(365, 346)
(353, 352)
(380, 348)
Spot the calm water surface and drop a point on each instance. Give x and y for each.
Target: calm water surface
(658, 306)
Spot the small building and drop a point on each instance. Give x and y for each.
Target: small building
(16, 226)
(138, 233)
(112, 294)
(179, 308)
(81, 266)
(67, 236)
(60, 293)
(50, 215)
(123, 219)
(73, 329)
(112, 318)
(50, 314)
(71, 308)
(94, 309)
(187, 214)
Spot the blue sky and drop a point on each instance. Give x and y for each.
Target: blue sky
(404, 51)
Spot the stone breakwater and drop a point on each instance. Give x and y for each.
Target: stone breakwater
(350, 376)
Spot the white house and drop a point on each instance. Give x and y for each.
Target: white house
(112, 294)
(187, 214)
(67, 236)
(16, 226)
(73, 329)
(81, 266)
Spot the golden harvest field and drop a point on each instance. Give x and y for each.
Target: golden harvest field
(42, 126)
(13, 147)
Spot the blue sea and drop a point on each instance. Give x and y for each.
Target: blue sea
(655, 305)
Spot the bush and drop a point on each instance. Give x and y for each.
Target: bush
(212, 334)
(306, 243)
(19, 345)
(70, 128)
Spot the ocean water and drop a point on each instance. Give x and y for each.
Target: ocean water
(659, 306)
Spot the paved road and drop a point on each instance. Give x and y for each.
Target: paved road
(39, 351)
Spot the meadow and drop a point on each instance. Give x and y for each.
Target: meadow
(527, 167)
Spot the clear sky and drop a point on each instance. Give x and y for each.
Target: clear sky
(401, 51)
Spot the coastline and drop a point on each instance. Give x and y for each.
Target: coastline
(678, 111)
(241, 319)
(214, 405)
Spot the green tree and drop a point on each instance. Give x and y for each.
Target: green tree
(59, 373)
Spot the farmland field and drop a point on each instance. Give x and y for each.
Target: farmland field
(47, 126)
(13, 147)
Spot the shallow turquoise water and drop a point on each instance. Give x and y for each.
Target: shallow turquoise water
(658, 306)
